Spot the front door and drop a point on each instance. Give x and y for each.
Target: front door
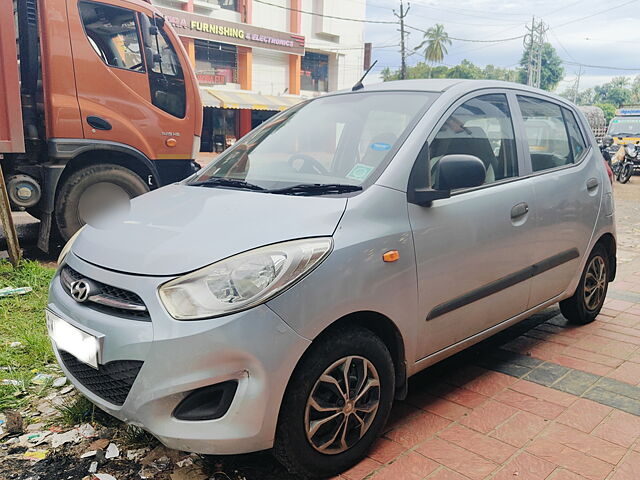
(568, 188)
(122, 97)
(473, 250)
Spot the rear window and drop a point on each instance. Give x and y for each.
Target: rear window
(547, 136)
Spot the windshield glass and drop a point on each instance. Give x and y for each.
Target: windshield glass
(624, 126)
(334, 140)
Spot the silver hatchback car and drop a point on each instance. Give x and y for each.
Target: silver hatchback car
(282, 296)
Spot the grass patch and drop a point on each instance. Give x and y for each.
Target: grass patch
(22, 320)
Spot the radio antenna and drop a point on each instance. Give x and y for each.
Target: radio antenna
(359, 85)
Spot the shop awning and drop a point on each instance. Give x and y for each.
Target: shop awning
(245, 100)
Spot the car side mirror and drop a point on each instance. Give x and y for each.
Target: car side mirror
(461, 171)
(607, 140)
(455, 171)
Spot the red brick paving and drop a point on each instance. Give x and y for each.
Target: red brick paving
(476, 424)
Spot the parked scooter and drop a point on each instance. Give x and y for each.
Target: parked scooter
(623, 160)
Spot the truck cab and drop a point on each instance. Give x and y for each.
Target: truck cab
(110, 108)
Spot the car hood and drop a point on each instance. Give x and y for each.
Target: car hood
(179, 228)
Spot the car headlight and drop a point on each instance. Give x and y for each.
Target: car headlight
(67, 248)
(242, 281)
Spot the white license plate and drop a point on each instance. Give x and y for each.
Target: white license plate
(82, 345)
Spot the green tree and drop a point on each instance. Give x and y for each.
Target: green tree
(435, 44)
(466, 69)
(608, 109)
(552, 69)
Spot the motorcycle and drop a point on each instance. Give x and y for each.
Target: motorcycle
(623, 167)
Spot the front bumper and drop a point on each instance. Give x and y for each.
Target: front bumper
(255, 348)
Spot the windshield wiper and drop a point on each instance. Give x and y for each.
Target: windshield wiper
(317, 189)
(227, 182)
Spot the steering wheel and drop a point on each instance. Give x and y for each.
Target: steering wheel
(136, 66)
(309, 164)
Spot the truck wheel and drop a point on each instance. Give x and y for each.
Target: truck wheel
(585, 305)
(337, 402)
(88, 190)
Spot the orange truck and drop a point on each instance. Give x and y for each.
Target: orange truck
(98, 99)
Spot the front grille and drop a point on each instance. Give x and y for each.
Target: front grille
(111, 382)
(107, 298)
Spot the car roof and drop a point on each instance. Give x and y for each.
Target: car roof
(443, 84)
(458, 87)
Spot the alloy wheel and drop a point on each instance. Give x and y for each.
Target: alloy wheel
(595, 283)
(342, 405)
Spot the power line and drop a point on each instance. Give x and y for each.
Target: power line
(473, 13)
(473, 40)
(360, 20)
(596, 13)
(602, 67)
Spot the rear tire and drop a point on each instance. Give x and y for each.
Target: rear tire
(585, 304)
(303, 441)
(68, 202)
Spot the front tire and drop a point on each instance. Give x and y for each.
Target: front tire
(87, 188)
(625, 174)
(585, 304)
(336, 404)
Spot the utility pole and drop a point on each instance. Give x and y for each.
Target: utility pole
(403, 33)
(577, 87)
(534, 43)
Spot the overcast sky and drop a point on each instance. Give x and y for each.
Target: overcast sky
(609, 38)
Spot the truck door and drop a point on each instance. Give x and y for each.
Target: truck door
(122, 93)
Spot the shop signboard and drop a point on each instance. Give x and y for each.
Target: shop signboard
(207, 28)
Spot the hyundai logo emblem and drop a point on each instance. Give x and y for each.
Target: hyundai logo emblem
(80, 291)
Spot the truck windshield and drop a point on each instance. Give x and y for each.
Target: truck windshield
(621, 126)
(327, 145)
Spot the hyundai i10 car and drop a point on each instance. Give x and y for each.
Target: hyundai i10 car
(281, 297)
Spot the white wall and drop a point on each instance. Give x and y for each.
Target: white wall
(274, 18)
(343, 40)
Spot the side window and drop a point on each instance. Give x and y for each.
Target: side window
(481, 127)
(578, 145)
(166, 77)
(546, 134)
(113, 34)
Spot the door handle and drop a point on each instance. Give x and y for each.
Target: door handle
(592, 183)
(519, 210)
(98, 123)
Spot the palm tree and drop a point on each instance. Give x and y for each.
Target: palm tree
(436, 41)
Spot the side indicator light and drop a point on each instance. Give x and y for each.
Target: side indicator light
(391, 256)
(171, 142)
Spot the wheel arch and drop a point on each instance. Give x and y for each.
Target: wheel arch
(141, 166)
(385, 329)
(608, 241)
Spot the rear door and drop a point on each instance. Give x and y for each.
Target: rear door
(568, 190)
(473, 250)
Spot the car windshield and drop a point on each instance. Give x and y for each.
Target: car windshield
(629, 127)
(332, 144)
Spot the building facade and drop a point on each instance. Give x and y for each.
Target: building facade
(254, 58)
